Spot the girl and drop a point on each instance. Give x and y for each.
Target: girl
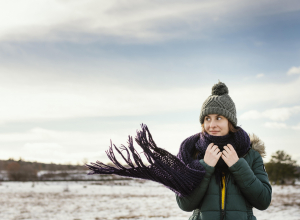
(218, 173)
(235, 178)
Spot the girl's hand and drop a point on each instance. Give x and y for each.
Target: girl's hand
(229, 155)
(212, 155)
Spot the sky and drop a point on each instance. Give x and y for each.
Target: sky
(76, 74)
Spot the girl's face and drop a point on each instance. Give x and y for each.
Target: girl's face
(216, 125)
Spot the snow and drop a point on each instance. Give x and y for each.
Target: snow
(121, 200)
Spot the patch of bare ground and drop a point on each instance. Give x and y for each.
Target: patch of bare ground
(128, 217)
(140, 216)
(159, 216)
(289, 198)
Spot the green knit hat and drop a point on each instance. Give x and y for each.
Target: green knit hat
(219, 102)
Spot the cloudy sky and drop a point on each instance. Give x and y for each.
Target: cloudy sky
(75, 74)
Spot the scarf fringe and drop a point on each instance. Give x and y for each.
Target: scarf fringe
(164, 167)
(141, 139)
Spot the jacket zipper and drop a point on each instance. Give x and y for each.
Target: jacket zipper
(226, 183)
(223, 210)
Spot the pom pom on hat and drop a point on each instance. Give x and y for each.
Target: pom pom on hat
(219, 89)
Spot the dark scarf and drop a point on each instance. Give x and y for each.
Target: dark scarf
(239, 140)
(181, 174)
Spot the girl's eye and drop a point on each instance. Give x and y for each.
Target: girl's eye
(219, 118)
(207, 119)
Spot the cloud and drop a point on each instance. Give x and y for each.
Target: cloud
(72, 146)
(25, 103)
(260, 75)
(59, 146)
(37, 135)
(276, 114)
(249, 115)
(275, 125)
(49, 93)
(57, 20)
(247, 95)
(293, 71)
(297, 127)
(43, 146)
(281, 114)
(139, 20)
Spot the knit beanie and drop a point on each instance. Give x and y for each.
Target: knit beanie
(219, 102)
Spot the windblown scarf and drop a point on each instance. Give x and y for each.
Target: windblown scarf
(181, 174)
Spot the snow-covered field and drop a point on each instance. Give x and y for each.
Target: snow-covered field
(119, 200)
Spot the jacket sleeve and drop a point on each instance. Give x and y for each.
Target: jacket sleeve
(192, 201)
(253, 183)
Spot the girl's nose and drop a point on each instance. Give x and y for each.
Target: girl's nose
(213, 123)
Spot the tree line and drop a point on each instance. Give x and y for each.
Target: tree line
(20, 170)
(281, 169)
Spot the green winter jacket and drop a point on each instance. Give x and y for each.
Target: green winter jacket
(247, 186)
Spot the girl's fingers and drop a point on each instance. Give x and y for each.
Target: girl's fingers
(219, 154)
(224, 158)
(225, 153)
(230, 146)
(227, 148)
(210, 146)
(215, 147)
(216, 152)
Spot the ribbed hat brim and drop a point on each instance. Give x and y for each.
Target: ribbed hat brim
(220, 111)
